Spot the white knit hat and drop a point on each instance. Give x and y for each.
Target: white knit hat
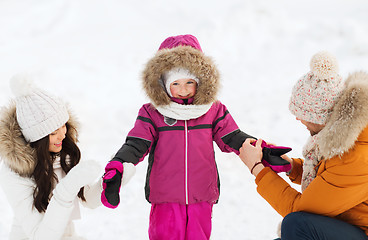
(38, 113)
(314, 95)
(176, 74)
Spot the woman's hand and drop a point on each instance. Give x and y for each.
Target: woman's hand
(252, 155)
(287, 158)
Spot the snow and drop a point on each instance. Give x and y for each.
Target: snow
(91, 53)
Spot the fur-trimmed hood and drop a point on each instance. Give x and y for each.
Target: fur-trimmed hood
(348, 119)
(15, 151)
(185, 57)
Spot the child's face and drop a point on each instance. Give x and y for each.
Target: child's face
(183, 88)
(56, 139)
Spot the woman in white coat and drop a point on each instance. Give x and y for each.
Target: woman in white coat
(41, 173)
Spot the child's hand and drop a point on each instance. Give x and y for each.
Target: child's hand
(272, 157)
(113, 179)
(111, 184)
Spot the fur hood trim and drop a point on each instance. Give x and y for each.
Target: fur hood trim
(348, 119)
(15, 151)
(184, 57)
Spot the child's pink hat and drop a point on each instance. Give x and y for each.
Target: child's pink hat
(181, 40)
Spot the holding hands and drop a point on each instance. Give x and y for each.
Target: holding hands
(252, 155)
(255, 153)
(111, 184)
(117, 174)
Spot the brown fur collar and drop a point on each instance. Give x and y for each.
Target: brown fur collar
(348, 119)
(16, 153)
(186, 57)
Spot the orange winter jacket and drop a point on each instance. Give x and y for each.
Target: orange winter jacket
(340, 189)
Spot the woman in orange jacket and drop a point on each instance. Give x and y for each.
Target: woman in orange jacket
(333, 203)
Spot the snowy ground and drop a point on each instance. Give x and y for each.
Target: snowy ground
(92, 53)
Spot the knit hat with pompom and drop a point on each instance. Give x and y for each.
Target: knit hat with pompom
(314, 95)
(38, 113)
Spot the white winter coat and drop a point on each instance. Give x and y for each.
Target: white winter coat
(17, 165)
(28, 223)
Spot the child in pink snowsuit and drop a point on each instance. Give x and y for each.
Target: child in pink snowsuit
(177, 130)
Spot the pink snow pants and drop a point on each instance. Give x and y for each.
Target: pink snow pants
(173, 221)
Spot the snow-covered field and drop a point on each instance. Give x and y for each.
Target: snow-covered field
(91, 53)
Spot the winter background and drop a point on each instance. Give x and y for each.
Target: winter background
(91, 53)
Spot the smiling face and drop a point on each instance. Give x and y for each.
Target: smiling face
(183, 88)
(56, 139)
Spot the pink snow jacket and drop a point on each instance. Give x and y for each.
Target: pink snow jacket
(182, 167)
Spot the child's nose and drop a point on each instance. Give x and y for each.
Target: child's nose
(183, 90)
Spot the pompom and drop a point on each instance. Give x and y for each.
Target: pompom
(324, 65)
(21, 85)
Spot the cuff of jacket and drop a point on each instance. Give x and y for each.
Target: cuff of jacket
(297, 170)
(263, 172)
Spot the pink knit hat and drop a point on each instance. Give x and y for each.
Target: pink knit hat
(181, 40)
(314, 95)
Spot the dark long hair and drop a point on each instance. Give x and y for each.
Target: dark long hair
(44, 174)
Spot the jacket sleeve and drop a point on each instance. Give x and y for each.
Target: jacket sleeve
(226, 133)
(335, 190)
(296, 173)
(139, 139)
(19, 192)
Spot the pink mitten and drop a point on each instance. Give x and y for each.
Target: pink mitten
(111, 184)
(272, 157)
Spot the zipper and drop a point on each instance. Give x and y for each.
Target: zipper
(186, 163)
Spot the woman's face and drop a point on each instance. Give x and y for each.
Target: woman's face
(313, 128)
(56, 139)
